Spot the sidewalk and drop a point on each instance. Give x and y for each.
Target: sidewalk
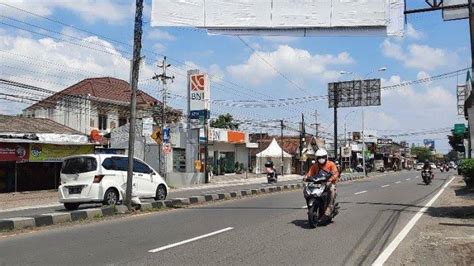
(445, 234)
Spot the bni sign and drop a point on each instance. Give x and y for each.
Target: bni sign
(198, 91)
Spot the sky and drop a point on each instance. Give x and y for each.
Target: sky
(39, 47)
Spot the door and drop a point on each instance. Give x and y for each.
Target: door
(120, 164)
(143, 178)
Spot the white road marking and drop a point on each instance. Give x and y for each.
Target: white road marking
(408, 179)
(398, 182)
(417, 176)
(360, 192)
(190, 240)
(382, 258)
(304, 207)
(385, 185)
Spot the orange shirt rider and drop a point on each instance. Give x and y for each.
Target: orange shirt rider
(328, 167)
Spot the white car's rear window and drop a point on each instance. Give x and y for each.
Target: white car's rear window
(79, 165)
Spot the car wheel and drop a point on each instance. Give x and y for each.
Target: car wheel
(160, 192)
(71, 206)
(111, 197)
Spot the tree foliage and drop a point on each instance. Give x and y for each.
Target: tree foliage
(421, 153)
(456, 142)
(225, 121)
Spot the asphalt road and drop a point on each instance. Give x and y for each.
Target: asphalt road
(268, 229)
(173, 194)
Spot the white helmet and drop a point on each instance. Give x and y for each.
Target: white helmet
(321, 153)
(321, 156)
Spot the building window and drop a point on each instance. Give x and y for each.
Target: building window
(122, 121)
(102, 122)
(92, 123)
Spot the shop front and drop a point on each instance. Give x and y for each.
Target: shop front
(34, 166)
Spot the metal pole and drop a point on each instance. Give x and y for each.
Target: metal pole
(471, 34)
(206, 150)
(336, 101)
(316, 122)
(16, 177)
(137, 45)
(363, 141)
(282, 125)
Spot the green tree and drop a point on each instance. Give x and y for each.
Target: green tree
(421, 153)
(452, 156)
(456, 142)
(225, 121)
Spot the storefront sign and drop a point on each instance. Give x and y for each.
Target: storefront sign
(218, 135)
(13, 152)
(198, 91)
(236, 137)
(56, 153)
(384, 141)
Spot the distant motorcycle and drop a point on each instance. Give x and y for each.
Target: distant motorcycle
(427, 176)
(272, 176)
(317, 198)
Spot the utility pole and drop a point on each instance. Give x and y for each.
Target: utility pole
(137, 45)
(336, 102)
(471, 34)
(164, 80)
(302, 143)
(282, 126)
(316, 123)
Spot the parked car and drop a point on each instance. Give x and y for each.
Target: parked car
(419, 166)
(101, 178)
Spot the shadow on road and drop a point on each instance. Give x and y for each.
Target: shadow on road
(453, 224)
(301, 223)
(459, 212)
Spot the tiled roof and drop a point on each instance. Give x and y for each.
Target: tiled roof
(29, 125)
(106, 88)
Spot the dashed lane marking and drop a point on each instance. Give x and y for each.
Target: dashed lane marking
(360, 192)
(385, 185)
(190, 240)
(398, 182)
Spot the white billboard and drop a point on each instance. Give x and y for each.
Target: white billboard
(283, 17)
(198, 91)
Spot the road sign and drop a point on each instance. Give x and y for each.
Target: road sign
(167, 148)
(157, 136)
(196, 114)
(147, 128)
(166, 135)
(459, 129)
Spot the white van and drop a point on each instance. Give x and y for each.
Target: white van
(101, 178)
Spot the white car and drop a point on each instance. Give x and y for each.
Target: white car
(419, 166)
(433, 166)
(101, 178)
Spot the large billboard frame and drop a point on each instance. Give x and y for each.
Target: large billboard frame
(355, 93)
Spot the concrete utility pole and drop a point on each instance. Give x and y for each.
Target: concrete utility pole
(137, 46)
(163, 78)
(282, 126)
(302, 142)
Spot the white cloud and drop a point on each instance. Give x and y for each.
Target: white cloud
(55, 65)
(417, 56)
(160, 35)
(413, 33)
(158, 47)
(90, 11)
(292, 62)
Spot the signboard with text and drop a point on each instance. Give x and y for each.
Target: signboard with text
(198, 91)
(13, 152)
(56, 153)
(384, 141)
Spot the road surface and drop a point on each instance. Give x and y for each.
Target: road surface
(268, 229)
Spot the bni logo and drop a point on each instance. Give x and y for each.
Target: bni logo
(197, 82)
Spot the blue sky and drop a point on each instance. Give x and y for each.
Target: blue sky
(430, 47)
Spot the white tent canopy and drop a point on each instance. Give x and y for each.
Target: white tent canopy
(274, 153)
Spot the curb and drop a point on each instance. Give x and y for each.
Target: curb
(58, 218)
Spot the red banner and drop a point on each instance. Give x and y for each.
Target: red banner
(14, 152)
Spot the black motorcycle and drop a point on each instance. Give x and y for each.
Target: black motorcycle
(427, 176)
(272, 175)
(317, 198)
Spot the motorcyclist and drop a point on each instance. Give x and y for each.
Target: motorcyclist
(324, 164)
(427, 166)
